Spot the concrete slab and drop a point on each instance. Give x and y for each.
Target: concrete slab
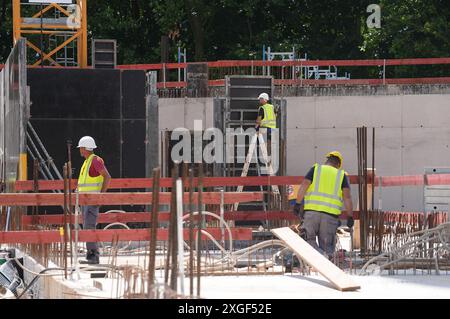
(300, 151)
(315, 286)
(171, 113)
(354, 111)
(425, 147)
(196, 109)
(301, 112)
(342, 139)
(425, 110)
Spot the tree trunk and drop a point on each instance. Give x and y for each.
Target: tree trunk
(195, 20)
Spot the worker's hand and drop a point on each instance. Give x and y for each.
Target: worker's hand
(350, 222)
(299, 210)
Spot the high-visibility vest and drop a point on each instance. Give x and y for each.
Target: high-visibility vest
(270, 119)
(325, 192)
(87, 183)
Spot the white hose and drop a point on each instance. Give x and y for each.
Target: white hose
(31, 271)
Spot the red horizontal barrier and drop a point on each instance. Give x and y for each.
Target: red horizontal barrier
(47, 237)
(50, 199)
(275, 63)
(124, 183)
(430, 80)
(141, 183)
(427, 80)
(278, 63)
(132, 217)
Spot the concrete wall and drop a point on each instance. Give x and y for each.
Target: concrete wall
(412, 133)
(175, 113)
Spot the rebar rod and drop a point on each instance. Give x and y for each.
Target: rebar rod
(191, 232)
(154, 227)
(199, 224)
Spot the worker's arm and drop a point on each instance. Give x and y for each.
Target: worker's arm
(348, 206)
(348, 201)
(258, 121)
(299, 207)
(106, 179)
(260, 117)
(302, 190)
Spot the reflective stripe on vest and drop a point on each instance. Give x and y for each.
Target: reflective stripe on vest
(325, 192)
(86, 183)
(270, 119)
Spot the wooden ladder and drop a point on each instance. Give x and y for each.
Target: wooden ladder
(252, 148)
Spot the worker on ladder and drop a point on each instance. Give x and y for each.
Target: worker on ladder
(93, 178)
(266, 119)
(324, 189)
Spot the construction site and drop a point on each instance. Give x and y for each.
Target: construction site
(200, 205)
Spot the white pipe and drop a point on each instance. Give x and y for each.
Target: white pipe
(8, 217)
(179, 185)
(221, 220)
(75, 247)
(222, 228)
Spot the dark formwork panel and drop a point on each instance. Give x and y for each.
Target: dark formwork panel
(74, 93)
(133, 98)
(108, 105)
(244, 104)
(261, 82)
(133, 148)
(55, 133)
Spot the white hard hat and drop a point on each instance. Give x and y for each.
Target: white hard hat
(264, 96)
(87, 142)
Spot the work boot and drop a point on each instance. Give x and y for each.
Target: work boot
(92, 258)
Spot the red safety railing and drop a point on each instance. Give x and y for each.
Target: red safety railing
(136, 183)
(290, 72)
(239, 233)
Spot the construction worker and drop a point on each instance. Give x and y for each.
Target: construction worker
(94, 178)
(324, 190)
(266, 119)
(266, 113)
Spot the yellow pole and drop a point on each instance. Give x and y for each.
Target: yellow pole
(16, 21)
(23, 174)
(82, 41)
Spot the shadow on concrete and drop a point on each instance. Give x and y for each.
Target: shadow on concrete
(321, 282)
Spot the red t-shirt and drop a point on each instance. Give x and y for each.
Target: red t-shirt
(96, 167)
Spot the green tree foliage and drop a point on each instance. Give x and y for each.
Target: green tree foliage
(410, 28)
(238, 29)
(5, 29)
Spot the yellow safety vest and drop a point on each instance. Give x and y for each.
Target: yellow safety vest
(86, 183)
(270, 119)
(325, 192)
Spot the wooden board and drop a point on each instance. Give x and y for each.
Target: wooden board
(312, 257)
(137, 183)
(135, 217)
(107, 235)
(143, 198)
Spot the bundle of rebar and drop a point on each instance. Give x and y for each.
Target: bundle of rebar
(362, 185)
(391, 229)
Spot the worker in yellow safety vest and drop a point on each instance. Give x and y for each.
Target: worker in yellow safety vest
(266, 113)
(325, 189)
(93, 178)
(266, 120)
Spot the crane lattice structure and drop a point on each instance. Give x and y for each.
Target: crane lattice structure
(56, 31)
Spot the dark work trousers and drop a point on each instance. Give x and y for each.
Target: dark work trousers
(90, 215)
(323, 226)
